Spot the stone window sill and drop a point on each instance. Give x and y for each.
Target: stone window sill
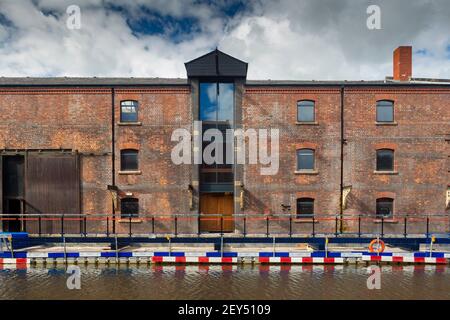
(386, 220)
(391, 173)
(304, 220)
(133, 220)
(394, 123)
(307, 172)
(129, 123)
(307, 123)
(131, 172)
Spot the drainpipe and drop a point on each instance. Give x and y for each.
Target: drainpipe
(113, 154)
(341, 197)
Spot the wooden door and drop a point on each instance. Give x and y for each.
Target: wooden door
(53, 186)
(213, 205)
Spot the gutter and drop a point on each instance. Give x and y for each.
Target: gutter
(341, 185)
(113, 153)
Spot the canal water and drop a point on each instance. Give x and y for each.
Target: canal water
(227, 282)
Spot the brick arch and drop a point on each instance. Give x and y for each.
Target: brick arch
(386, 145)
(129, 145)
(385, 194)
(306, 145)
(305, 194)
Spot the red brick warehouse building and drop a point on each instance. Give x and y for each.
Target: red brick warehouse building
(103, 146)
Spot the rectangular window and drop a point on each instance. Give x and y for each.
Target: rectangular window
(385, 111)
(129, 160)
(385, 207)
(128, 111)
(305, 208)
(305, 111)
(385, 160)
(129, 207)
(305, 159)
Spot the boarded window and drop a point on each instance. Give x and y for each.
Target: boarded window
(305, 111)
(129, 111)
(129, 160)
(129, 207)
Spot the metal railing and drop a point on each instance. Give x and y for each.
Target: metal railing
(244, 225)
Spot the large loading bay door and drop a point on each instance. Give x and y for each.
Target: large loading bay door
(49, 183)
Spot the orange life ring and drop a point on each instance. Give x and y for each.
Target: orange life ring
(381, 246)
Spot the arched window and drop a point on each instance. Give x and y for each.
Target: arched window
(129, 160)
(305, 111)
(385, 160)
(129, 111)
(129, 207)
(305, 208)
(385, 207)
(385, 111)
(305, 159)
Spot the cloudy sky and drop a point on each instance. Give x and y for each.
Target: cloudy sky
(280, 39)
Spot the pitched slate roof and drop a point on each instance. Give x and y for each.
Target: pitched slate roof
(216, 63)
(90, 81)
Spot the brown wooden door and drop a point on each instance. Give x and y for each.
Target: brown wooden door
(213, 204)
(53, 186)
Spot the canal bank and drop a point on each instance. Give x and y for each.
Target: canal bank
(53, 254)
(193, 282)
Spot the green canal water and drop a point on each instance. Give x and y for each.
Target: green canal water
(227, 282)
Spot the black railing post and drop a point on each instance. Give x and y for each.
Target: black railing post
(245, 226)
(85, 226)
(290, 226)
(176, 226)
(336, 227)
(221, 225)
(107, 226)
(313, 228)
(39, 226)
(153, 225)
(428, 226)
(359, 225)
(382, 226)
(267, 226)
(129, 217)
(405, 233)
(62, 225)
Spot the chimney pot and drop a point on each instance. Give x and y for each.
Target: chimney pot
(403, 63)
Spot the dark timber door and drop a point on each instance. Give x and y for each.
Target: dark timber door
(212, 205)
(52, 186)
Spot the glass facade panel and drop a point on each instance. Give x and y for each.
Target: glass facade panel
(217, 112)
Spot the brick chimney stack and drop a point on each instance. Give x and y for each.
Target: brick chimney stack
(403, 63)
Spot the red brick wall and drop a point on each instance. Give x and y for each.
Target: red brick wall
(162, 187)
(77, 119)
(277, 108)
(422, 120)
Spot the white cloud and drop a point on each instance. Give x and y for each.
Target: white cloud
(284, 39)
